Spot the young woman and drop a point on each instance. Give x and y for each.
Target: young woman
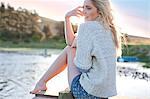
(91, 55)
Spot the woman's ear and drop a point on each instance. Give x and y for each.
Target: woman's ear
(98, 18)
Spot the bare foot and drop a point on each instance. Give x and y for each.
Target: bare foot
(40, 86)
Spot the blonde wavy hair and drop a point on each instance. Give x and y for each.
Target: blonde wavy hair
(105, 14)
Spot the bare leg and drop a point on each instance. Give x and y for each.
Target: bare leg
(64, 59)
(72, 70)
(57, 66)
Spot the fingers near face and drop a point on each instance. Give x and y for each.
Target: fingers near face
(79, 10)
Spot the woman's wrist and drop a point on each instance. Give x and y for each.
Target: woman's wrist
(67, 17)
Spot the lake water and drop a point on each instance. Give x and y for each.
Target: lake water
(19, 71)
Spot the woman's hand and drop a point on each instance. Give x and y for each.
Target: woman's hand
(40, 86)
(75, 12)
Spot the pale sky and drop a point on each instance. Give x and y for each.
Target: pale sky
(132, 16)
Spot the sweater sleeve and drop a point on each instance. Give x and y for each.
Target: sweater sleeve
(103, 51)
(83, 58)
(103, 45)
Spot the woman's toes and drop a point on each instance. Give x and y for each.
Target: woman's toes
(34, 91)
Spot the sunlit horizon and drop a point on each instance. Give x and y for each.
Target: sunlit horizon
(130, 19)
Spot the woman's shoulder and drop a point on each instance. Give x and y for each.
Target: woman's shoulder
(92, 25)
(93, 29)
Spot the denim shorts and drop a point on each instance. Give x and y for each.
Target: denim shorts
(78, 91)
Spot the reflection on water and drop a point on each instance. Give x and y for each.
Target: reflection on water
(19, 72)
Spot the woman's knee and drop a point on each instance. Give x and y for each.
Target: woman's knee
(66, 48)
(70, 49)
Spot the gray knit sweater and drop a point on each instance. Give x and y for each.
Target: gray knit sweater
(96, 53)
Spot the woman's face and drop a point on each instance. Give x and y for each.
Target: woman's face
(89, 10)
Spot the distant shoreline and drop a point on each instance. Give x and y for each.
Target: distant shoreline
(31, 51)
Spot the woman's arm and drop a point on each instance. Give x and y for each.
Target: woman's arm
(69, 34)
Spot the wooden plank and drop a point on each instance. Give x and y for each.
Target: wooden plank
(67, 95)
(44, 95)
